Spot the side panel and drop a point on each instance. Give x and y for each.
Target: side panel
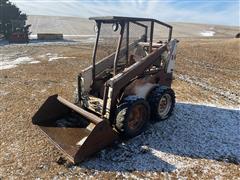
(171, 56)
(121, 80)
(118, 82)
(87, 78)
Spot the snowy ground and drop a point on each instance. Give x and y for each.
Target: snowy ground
(16, 58)
(208, 33)
(9, 63)
(194, 131)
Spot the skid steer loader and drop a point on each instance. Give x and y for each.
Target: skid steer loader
(128, 83)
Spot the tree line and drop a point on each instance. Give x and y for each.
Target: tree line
(11, 19)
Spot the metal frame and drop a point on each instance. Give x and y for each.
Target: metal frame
(118, 48)
(151, 36)
(98, 24)
(124, 22)
(127, 42)
(118, 83)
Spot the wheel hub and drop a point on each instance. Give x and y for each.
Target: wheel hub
(136, 118)
(164, 105)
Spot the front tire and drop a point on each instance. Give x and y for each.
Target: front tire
(162, 102)
(132, 116)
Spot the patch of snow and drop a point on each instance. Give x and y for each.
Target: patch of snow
(23, 60)
(208, 33)
(53, 57)
(7, 66)
(57, 58)
(33, 36)
(50, 54)
(79, 35)
(193, 132)
(43, 90)
(8, 63)
(70, 40)
(34, 62)
(64, 42)
(3, 93)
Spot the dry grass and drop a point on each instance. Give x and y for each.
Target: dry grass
(213, 66)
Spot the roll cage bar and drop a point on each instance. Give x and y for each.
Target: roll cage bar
(124, 24)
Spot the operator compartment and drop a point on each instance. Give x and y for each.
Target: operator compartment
(111, 58)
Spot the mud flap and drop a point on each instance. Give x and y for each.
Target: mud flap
(75, 131)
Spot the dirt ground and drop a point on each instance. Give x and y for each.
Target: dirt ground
(207, 73)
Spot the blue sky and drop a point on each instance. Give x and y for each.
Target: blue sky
(226, 12)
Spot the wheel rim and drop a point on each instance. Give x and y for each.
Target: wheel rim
(164, 105)
(137, 117)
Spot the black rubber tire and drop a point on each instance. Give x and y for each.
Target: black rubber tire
(123, 116)
(154, 99)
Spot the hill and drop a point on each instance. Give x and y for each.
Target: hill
(74, 26)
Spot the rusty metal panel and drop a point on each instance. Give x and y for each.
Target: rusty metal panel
(102, 135)
(76, 132)
(79, 143)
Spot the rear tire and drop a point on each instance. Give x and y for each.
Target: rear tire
(162, 103)
(132, 116)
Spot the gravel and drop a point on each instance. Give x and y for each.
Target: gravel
(194, 131)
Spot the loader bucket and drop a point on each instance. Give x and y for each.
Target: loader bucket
(75, 131)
